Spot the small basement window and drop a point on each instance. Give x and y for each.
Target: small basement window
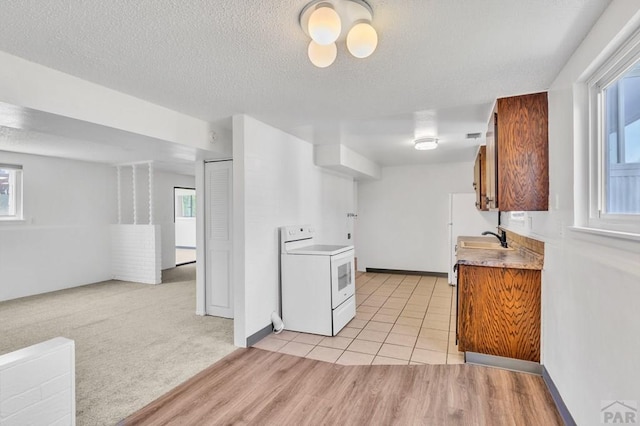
(10, 192)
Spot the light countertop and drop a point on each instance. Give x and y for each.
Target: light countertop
(519, 258)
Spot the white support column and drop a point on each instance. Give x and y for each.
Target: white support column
(119, 177)
(135, 212)
(150, 193)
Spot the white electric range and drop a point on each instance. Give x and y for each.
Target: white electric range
(317, 283)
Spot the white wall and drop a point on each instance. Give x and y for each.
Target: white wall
(64, 242)
(590, 284)
(402, 218)
(275, 184)
(185, 232)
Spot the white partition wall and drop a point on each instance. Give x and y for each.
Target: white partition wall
(136, 241)
(37, 385)
(135, 253)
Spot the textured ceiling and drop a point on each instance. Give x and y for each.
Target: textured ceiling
(446, 60)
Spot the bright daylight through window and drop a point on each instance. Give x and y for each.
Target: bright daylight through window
(613, 156)
(187, 206)
(620, 180)
(10, 192)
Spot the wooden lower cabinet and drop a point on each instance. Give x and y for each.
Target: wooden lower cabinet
(499, 311)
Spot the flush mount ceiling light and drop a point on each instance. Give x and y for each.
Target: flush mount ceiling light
(330, 21)
(424, 144)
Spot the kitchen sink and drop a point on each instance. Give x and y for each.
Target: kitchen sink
(486, 245)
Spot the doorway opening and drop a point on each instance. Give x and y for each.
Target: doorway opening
(184, 201)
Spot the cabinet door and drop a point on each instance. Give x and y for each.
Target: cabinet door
(499, 311)
(522, 153)
(463, 323)
(469, 310)
(477, 182)
(480, 178)
(491, 171)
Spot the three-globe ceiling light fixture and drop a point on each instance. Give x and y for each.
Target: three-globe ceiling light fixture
(327, 21)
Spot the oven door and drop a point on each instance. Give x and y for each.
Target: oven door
(343, 278)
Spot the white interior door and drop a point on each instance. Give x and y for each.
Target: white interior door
(218, 190)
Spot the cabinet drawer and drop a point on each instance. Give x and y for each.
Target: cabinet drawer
(343, 314)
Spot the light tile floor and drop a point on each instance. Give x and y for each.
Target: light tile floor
(400, 319)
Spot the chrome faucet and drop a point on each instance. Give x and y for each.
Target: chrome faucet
(502, 237)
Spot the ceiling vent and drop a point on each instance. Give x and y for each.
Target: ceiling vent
(473, 135)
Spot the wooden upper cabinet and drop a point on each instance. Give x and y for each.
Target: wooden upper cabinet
(480, 179)
(518, 151)
(491, 172)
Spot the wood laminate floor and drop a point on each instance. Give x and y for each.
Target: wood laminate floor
(253, 386)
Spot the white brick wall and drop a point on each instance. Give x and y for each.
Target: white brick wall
(136, 253)
(37, 385)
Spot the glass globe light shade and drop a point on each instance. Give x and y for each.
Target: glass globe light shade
(362, 40)
(322, 55)
(324, 25)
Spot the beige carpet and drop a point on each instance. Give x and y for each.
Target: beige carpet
(134, 342)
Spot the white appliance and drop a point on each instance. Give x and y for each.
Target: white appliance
(465, 219)
(317, 283)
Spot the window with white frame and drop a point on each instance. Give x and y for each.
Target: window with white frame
(615, 142)
(187, 205)
(185, 202)
(10, 192)
(621, 122)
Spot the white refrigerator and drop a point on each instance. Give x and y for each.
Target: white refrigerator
(466, 219)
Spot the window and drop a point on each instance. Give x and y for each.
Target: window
(10, 192)
(185, 202)
(621, 114)
(188, 205)
(614, 93)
